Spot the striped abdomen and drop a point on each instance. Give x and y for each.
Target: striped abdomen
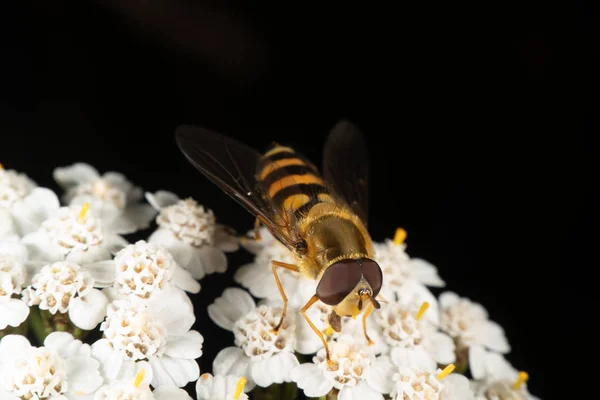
(291, 181)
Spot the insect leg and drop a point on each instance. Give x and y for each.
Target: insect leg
(274, 265)
(364, 322)
(257, 230)
(312, 301)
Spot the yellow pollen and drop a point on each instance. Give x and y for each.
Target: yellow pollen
(445, 372)
(84, 210)
(422, 310)
(400, 236)
(239, 388)
(329, 331)
(521, 379)
(139, 378)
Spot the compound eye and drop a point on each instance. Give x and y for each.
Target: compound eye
(338, 281)
(372, 273)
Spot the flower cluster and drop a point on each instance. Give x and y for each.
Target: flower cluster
(70, 271)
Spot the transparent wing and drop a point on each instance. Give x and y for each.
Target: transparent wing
(232, 166)
(346, 167)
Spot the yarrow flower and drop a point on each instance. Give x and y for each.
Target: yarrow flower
(411, 384)
(142, 269)
(136, 386)
(73, 234)
(63, 287)
(190, 233)
(468, 324)
(262, 355)
(501, 381)
(62, 369)
(23, 205)
(115, 199)
(347, 373)
(157, 331)
(220, 387)
(13, 277)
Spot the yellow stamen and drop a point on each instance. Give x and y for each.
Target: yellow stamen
(445, 372)
(521, 379)
(400, 236)
(84, 210)
(139, 378)
(422, 310)
(205, 376)
(239, 388)
(1, 166)
(329, 331)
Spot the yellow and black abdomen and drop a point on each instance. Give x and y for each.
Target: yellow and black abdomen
(291, 181)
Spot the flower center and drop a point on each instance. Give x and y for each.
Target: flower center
(104, 191)
(190, 222)
(56, 284)
(142, 267)
(349, 362)
(133, 332)
(13, 187)
(12, 277)
(37, 375)
(74, 228)
(401, 327)
(123, 391)
(253, 332)
(461, 319)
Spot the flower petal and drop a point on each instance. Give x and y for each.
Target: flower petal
(457, 387)
(161, 199)
(173, 371)
(13, 312)
(87, 312)
(212, 260)
(103, 272)
(414, 358)
(275, 369)
(174, 309)
(494, 337)
(233, 304)
(224, 240)
(184, 280)
(362, 391)
(140, 215)
(498, 368)
(40, 248)
(426, 273)
(477, 357)
(379, 374)
(4, 395)
(168, 392)
(188, 346)
(83, 374)
(441, 347)
(233, 361)
(12, 346)
(65, 345)
(311, 380)
(75, 174)
(34, 209)
(182, 252)
(112, 363)
(448, 299)
(7, 225)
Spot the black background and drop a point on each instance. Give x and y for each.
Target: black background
(455, 100)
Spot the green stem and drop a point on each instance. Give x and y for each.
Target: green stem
(38, 325)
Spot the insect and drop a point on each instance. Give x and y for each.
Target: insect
(321, 219)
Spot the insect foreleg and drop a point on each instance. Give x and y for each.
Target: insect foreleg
(274, 265)
(364, 323)
(312, 301)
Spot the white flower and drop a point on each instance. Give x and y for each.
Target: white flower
(467, 322)
(115, 199)
(157, 331)
(413, 375)
(502, 381)
(62, 369)
(404, 326)
(348, 372)
(23, 205)
(190, 233)
(65, 288)
(220, 387)
(399, 269)
(142, 269)
(262, 356)
(73, 234)
(258, 277)
(13, 277)
(135, 385)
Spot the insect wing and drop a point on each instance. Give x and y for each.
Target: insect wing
(231, 166)
(346, 166)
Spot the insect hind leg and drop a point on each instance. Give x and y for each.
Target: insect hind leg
(274, 265)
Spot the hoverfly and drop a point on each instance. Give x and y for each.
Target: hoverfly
(321, 219)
